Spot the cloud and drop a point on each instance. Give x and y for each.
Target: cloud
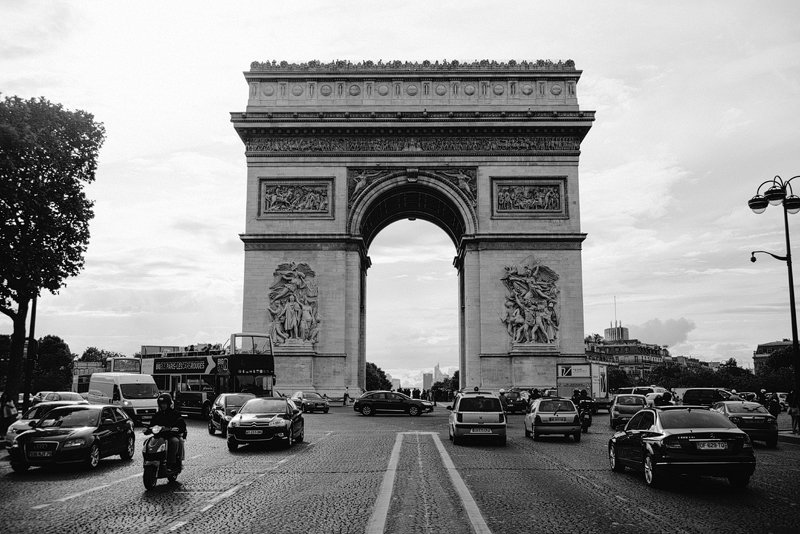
(669, 332)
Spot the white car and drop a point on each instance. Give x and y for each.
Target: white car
(477, 415)
(552, 416)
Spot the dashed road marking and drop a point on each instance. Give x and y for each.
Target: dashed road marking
(84, 492)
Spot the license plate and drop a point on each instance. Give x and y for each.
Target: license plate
(557, 419)
(712, 445)
(480, 431)
(252, 432)
(40, 454)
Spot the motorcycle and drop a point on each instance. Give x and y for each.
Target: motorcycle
(585, 415)
(155, 455)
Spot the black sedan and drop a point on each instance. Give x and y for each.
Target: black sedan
(224, 408)
(372, 402)
(75, 434)
(753, 418)
(266, 419)
(674, 440)
(311, 401)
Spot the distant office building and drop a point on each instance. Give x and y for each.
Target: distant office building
(427, 380)
(438, 375)
(763, 351)
(634, 357)
(395, 383)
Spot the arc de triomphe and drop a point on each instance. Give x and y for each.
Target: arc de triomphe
(487, 151)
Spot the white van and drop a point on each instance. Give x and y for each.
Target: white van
(134, 393)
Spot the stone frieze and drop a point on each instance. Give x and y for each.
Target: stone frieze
(291, 198)
(464, 180)
(424, 66)
(531, 303)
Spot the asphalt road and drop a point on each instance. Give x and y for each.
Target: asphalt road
(395, 473)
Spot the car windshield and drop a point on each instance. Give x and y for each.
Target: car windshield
(237, 400)
(264, 406)
(557, 406)
(694, 419)
(67, 396)
(631, 401)
(139, 391)
(313, 395)
(747, 408)
(69, 418)
(480, 404)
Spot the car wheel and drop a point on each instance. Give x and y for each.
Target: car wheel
(577, 437)
(527, 432)
(772, 443)
(449, 432)
(413, 410)
(302, 436)
(325, 410)
(93, 459)
(739, 481)
(290, 438)
(205, 412)
(223, 431)
(456, 440)
(211, 429)
(367, 410)
(19, 467)
(232, 444)
(149, 477)
(172, 478)
(130, 448)
(535, 436)
(502, 440)
(611, 423)
(613, 461)
(651, 476)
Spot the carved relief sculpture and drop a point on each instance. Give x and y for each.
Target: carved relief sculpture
(294, 305)
(528, 198)
(531, 304)
(465, 180)
(287, 198)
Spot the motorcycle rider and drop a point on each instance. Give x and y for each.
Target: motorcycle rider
(585, 404)
(576, 397)
(168, 417)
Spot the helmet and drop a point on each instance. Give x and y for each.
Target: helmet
(584, 393)
(733, 391)
(164, 398)
(502, 390)
(576, 391)
(763, 391)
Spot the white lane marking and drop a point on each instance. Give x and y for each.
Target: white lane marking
(176, 526)
(377, 521)
(221, 496)
(473, 512)
(84, 492)
(195, 457)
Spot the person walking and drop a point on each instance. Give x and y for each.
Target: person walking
(774, 406)
(8, 413)
(346, 397)
(794, 411)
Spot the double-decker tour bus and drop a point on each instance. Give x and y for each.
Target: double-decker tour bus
(196, 374)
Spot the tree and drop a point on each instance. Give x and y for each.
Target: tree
(618, 378)
(376, 378)
(93, 354)
(53, 369)
(47, 155)
(455, 382)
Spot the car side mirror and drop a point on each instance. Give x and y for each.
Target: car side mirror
(234, 412)
(107, 421)
(296, 411)
(31, 424)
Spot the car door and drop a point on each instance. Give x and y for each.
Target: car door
(108, 432)
(218, 411)
(624, 443)
(643, 427)
(296, 415)
(396, 403)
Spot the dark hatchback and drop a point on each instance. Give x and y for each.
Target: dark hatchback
(753, 418)
(372, 402)
(266, 419)
(224, 408)
(514, 402)
(675, 440)
(75, 434)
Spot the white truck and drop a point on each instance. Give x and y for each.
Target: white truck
(133, 392)
(591, 376)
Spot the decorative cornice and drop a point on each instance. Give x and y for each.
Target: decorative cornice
(483, 65)
(407, 116)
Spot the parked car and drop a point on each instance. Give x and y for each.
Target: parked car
(477, 415)
(706, 396)
(753, 418)
(372, 402)
(310, 401)
(39, 397)
(75, 434)
(673, 440)
(54, 396)
(194, 402)
(624, 407)
(552, 416)
(264, 419)
(223, 409)
(33, 414)
(514, 402)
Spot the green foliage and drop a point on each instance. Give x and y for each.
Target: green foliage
(47, 156)
(93, 354)
(455, 381)
(618, 378)
(376, 378)
(53, 369)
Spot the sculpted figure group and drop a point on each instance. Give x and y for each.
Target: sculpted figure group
(293, 305)
(531, 313)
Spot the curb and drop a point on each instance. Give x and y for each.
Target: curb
(786, 436)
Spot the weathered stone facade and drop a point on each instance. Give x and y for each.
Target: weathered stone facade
(487, 151)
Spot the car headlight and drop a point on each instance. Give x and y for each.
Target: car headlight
(228, 417)
(278, 422)
(233, 423)
(72, 443)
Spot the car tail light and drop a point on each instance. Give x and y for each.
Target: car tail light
(537, 420)
(672, 442)
(747, 444)
(502, 418)
(459, 417)
(736, 420)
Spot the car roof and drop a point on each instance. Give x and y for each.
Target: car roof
(738, 402)
(679, 407)
(478, 394)
(631, 395)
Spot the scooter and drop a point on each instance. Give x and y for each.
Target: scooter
(585, 416)
(155, 455)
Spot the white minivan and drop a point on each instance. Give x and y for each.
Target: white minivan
(135, 393)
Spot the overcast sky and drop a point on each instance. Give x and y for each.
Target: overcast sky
(697, 103)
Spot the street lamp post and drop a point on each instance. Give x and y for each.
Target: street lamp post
(780, 192)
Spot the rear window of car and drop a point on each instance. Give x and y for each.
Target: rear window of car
(697, 418)
(557, 406)
(631, 401)
(747, 408)
(480, 404)
(699, 396)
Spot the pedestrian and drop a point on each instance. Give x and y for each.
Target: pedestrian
(774, 406)
(762, 397)
(794, 411)
(346, 397)
(8, 414)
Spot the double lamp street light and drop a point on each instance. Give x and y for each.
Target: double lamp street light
(780, 192)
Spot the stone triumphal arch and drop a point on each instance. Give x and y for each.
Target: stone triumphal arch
(487, 151)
